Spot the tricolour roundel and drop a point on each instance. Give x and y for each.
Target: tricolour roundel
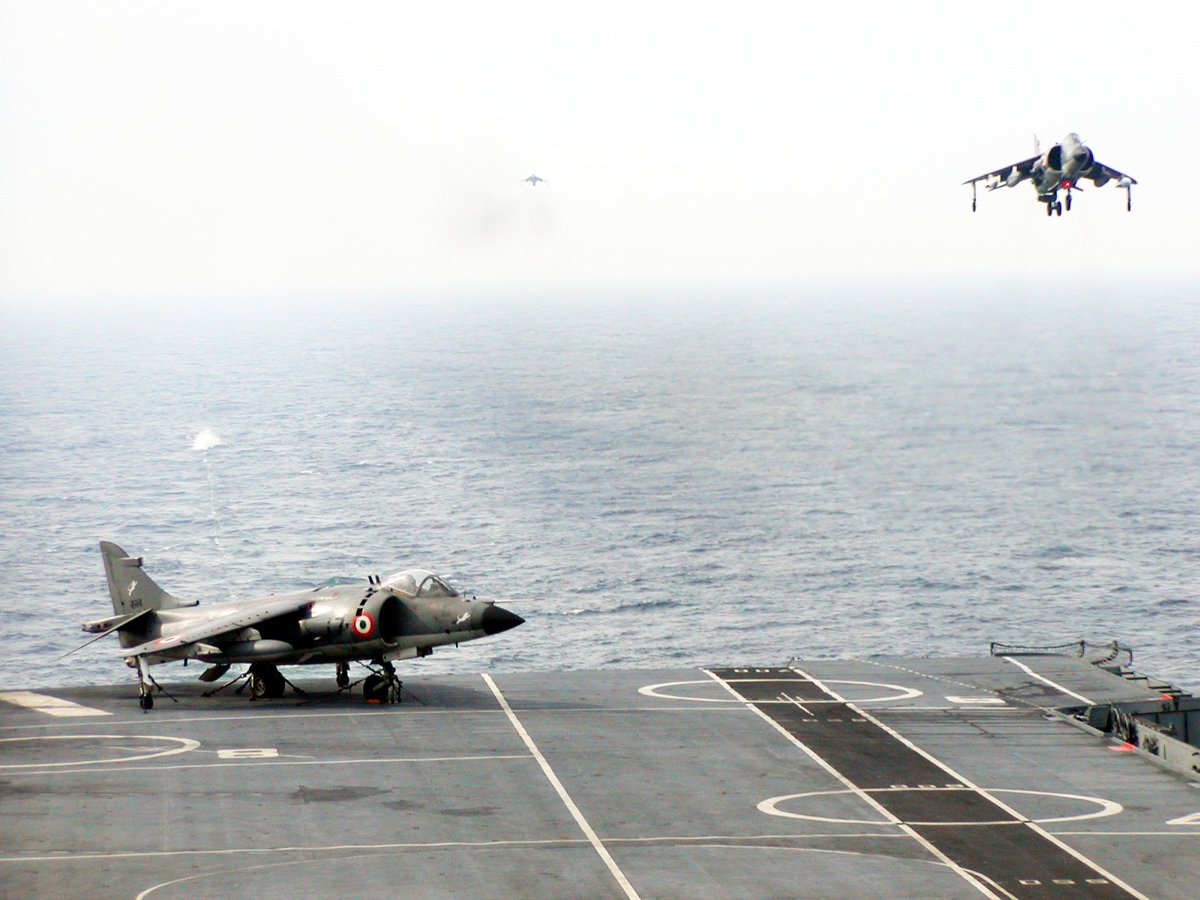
(364, 625)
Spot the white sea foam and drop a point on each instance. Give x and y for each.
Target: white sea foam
(206, 439)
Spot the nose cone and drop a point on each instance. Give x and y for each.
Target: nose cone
(496, 619)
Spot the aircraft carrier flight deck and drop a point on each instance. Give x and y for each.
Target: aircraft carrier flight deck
(1003, 776)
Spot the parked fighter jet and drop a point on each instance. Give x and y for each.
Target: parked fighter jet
(533, 179)
(404, 616)
(1059, 168)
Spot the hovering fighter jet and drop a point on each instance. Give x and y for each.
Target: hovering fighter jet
(1061, 167)
(533, 179)
(402, 617)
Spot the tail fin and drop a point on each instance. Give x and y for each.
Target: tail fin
(132, 590)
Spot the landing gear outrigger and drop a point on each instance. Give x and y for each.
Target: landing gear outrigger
(146, 699)
(147, 685)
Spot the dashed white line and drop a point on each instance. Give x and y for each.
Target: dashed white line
(578, 816)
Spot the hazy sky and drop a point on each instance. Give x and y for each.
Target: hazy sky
(229, 150)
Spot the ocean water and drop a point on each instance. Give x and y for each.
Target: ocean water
(664, 479)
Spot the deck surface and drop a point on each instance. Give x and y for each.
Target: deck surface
(898, 778)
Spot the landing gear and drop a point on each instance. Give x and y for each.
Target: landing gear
(1058, 207)
(375, 689)
(383, 686)
(147, 685)
(266, 682)
(1049, 208)
(343, 674)
(145, 699)
(1068, 202)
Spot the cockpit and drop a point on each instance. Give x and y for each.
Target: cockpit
(419, 583)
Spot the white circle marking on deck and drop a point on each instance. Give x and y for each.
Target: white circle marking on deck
(655, 690)
(185, 745)
(770, 806)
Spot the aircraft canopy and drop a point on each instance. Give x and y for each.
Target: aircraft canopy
(419, 583)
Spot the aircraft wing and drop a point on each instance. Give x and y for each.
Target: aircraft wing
(1025, 167)
(206, 629)
(1099, 171)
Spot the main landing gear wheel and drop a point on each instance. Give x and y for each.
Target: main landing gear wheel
(1058, 207)
(375, 688)
(1068, 202)
(1049, 210)
(266, 682)
(383, 687)
(146, 701)
(343, 674)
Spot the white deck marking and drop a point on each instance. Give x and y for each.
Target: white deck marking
(770, 806)
(1053, 684)
(258, 762)
(737, 840)
(591, 835)
(970, 784)
(854, 788)
(655, 690)
(741, 840)
(51, 706)
(265, 715)
(342, 859)
(796, 700)
(974, 701)
(248, 753)
(186, 745)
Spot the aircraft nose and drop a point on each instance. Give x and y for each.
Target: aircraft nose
(496, 619)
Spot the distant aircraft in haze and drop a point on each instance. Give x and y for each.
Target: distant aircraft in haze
(533, 179)
(1058, 169)
(377, 621)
